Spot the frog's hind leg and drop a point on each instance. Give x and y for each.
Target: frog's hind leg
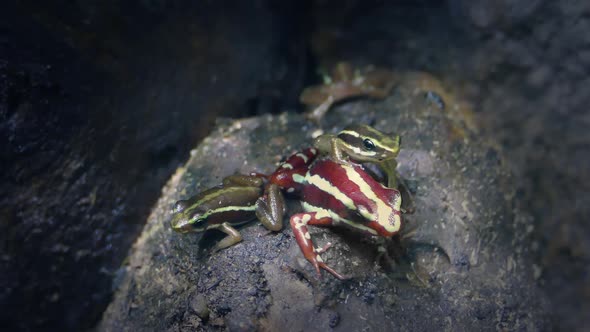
(233, 237)
(300, 159)
(299, 224)
(296, 165)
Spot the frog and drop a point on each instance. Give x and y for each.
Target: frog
(223, 207)
(345, 82)
(335, 191)
(363, 143)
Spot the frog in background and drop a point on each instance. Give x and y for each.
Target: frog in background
(345, 82)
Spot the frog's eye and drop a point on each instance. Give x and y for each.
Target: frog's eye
(368, 144)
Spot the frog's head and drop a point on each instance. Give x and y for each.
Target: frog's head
(365, 143)
(185, 220)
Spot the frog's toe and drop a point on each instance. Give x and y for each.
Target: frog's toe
(332, 271)
(318, 263)
(324, 248)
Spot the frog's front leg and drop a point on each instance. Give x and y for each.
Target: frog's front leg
(233, 237)
(299, 224)
(270, 208)
(389, 167)
(395, 181)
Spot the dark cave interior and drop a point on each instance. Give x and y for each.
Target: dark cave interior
(100, 102)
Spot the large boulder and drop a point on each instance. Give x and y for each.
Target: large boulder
(461, 263)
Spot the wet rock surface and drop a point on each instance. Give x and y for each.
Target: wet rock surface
(463, 261)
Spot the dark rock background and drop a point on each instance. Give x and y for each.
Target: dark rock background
(100, 101)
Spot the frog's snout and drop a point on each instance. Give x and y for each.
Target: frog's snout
(180, 224)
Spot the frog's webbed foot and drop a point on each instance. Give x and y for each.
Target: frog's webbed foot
(383, 251)
(233, 237)
(270, 208)
(299, 224)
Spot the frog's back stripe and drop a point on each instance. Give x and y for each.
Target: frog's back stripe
(337, 219)
(364, 194)
(340, 194)
(324, 193)
(374, 191)
(214, 218)
(212, 198)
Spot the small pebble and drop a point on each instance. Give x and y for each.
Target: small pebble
(435, 99)
(334, 319)
(252, 291)
(199, 306)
